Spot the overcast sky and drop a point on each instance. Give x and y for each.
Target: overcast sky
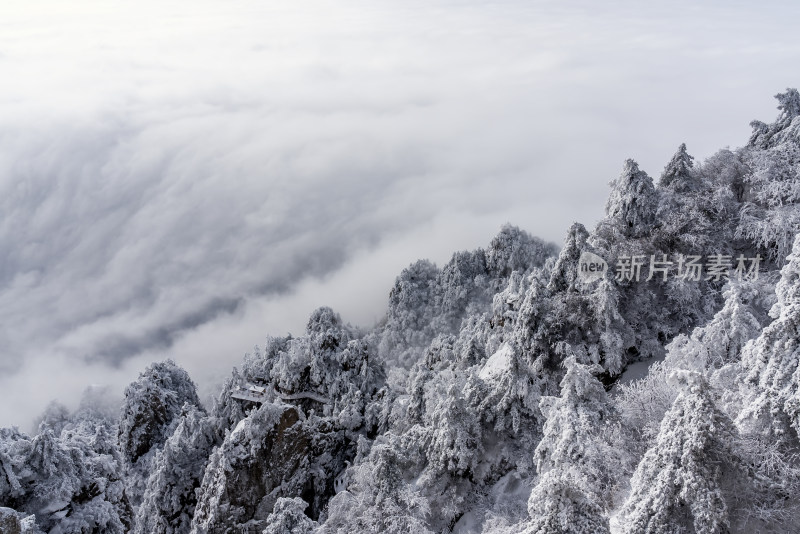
(180, 179)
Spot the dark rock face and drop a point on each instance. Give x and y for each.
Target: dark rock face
(275, 452)
(260, 461)
(276, 457)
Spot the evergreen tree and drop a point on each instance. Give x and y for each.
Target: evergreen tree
(633, 201)
(677, 174)
(455, 446)
(56, 416)
(288, 518)
(226, 410)
(771, 218)
(571, 457)
(768, 135)
(676, 487)
(71, 483)
(565, 272)
(411, 310)
(513, 249)
(720, 341)
(558, 505)
(54, 479)
(772, 401)
(171, 494)
(575, 422)
(378, 498)
(615, 335)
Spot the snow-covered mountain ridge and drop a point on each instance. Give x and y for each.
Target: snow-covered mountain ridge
(493, 397)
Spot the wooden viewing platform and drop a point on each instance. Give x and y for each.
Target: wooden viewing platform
(251, 393)
(258, 394)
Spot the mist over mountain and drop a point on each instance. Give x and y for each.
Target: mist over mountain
(512, 389)
(178, 179)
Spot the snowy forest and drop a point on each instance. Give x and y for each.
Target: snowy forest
(503, 392)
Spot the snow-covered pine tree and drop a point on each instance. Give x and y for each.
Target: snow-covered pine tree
(572, 458)
(721, 340)
(772, 394)
(677, 174)
(633, 201)
(573, 431)
(410, 312)
(771, 217)
(676, 487)
(100, 503)
(287, 517)
(462, 285)
(226, 410)
(565, 271)
(615, 335)
(13, 449)
(513, 249)
(641, 405)
(171, 494)
(56, 416)
(456, 441)
(768, 135)
(71, 483)
(379, 499)
(558, 505)
(53, 479)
